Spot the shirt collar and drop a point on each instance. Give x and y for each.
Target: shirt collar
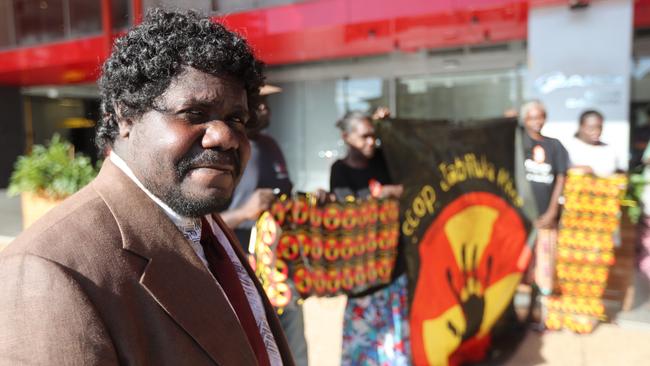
(181, 222)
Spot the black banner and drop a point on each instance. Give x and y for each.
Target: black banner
(465, 232)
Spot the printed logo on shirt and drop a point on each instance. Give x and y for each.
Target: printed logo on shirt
(280, 171)
(539, 155)
(375, 187)
(537, 170)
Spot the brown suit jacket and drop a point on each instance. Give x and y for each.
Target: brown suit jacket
(107, 278)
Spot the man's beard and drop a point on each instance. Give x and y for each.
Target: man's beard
(188, 205)
(194, 207)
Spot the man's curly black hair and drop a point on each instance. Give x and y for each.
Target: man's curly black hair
(145, 61)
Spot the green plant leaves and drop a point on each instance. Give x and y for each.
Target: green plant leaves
(51, 170)
(633, 195)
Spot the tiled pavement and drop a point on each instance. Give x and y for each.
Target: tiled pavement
(608, 345)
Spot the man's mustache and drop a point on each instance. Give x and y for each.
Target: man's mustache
(210, 157)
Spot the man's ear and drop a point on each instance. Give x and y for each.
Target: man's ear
(124, 124)
(124, 127)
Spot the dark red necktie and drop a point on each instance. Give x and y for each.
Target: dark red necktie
(224, 271)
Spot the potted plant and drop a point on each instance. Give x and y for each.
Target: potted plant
(48, 175)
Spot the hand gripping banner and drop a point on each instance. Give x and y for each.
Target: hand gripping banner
(465, 232)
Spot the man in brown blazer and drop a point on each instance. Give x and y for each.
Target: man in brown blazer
(136, 269)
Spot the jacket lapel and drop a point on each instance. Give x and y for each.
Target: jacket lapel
(175, 277)
(272, 318)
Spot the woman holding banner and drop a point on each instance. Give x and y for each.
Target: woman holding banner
(375, 328)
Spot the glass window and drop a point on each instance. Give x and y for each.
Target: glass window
(640, 110)
(38, 20)
(50, 116)
(303, 121)
(270, 3)
(234, 6)
(6, 24)
(203, 6)
(85, 17)
(363, 95)
(121, 13)
(458, 97)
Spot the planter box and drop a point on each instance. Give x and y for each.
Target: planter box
(34, 206)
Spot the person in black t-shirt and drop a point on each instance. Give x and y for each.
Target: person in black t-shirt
(363, 171)
(545, 162)
(346, 180)
(379, 314)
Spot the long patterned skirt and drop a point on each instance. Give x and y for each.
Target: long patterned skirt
(376, 329)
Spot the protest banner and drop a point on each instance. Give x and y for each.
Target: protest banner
(464, 229)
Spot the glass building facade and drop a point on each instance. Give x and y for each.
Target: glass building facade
(32, 22)
(315, 96)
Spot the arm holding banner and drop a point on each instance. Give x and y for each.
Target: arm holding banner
(548, 220)
(560, 160)
(391, 191)
(258, 202)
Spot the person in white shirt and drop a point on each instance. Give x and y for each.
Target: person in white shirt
(587, 153)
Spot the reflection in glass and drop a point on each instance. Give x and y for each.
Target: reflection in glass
(458, 97)
(363, 95)
(6, 24)
(121, 14)
(640, 110)
(234, 6)
(303, 118)
(85, 17)
(38, 20)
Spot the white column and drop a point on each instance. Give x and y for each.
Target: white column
(581, 59)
